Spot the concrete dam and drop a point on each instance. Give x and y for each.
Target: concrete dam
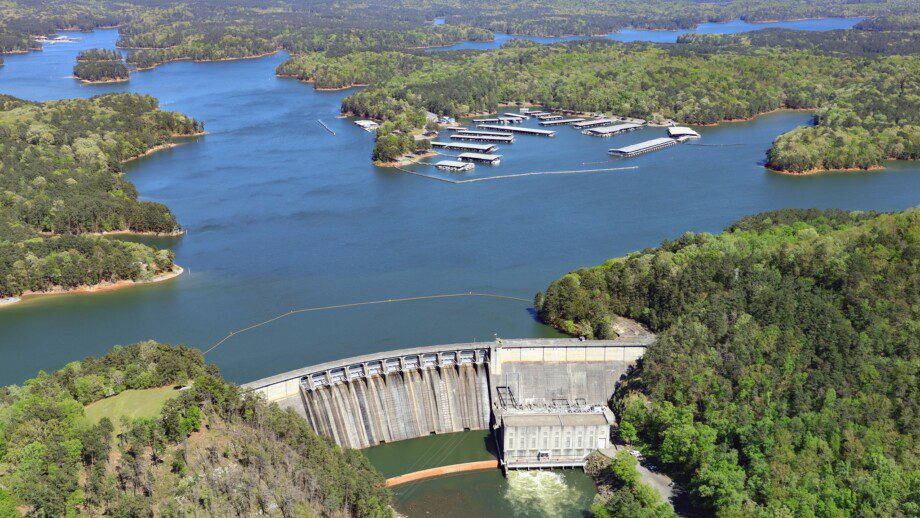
(527, 388)
(400, 398)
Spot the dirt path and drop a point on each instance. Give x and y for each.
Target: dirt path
(443, 470)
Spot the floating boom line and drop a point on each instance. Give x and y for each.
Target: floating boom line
(357, 304)
(327, 127)
(518, 175)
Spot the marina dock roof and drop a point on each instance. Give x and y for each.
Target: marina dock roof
(503, 133)
(609, 131)
(509, 138)
(463, 146)
(644, 147)
(682, 131)
(593, 123)
(454, 165)
(480, 157)
(518, 129)
(559, 122)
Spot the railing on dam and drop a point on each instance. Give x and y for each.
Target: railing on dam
(397, 361)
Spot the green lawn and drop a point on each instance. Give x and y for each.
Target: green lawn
(130, 403)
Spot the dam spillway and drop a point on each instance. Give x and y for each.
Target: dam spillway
(408, 393)
(413, 401)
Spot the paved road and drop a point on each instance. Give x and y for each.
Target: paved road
(661, 482)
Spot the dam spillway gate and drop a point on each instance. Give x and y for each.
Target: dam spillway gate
(559, 390)
(392, 399)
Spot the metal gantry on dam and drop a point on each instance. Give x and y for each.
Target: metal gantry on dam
(556, 414)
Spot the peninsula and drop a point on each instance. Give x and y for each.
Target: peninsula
(704, 79)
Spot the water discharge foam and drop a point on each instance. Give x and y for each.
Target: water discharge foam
(542, 493)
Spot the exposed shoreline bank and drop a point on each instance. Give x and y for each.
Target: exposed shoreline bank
(174, 60)
(94, 288)
(752, 117)
(102, 81)
(166, 145)
(175, 233)
(402, 162)
(819, 170)
(320, 89)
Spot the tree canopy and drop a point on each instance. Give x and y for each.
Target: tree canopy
(868, 110)
(100, 65)
(60, 179)
(784, 380)
(247, 457)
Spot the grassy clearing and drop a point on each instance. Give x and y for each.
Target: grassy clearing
(130, 403)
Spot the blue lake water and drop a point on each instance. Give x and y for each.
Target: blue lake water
(626, 35)
(281, 214)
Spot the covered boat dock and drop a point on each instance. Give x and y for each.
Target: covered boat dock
(455, 166)
(481, 157)
(682, 132)
(609, 131)
(559, 122)
(644, 147)
(464, 146)
(525, 131)
(504, 139)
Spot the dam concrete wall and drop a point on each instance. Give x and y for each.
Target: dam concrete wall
(540, 372)
(389, 396)
(407, 393)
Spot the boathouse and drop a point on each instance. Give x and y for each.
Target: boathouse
(463, 146)
(454, 166)
(525, 131)
(644, 147)
(481, 137)
(368, 126)
(610, 131)
(594, 123)
(559, 122)
(682, 132)
(481, 157)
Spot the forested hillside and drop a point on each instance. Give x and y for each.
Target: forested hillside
(204, 30)
(869, 110)
(849, 42)
(785, 376)
(213, 450)
(61, 179)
